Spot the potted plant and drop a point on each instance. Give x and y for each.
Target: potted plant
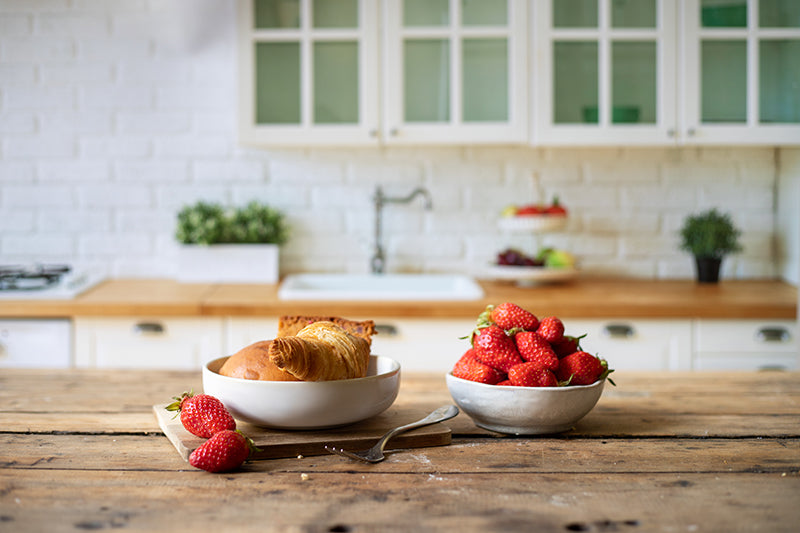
(234, 245)
(709, 236)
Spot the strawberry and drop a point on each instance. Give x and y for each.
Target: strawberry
(495, 348)
(468, 367)
(551, 328)
(531, 375)
(509, 316)
(533, 348)
(225, 451)
(202, 415)
(581, 368)
(505, 383)
(555, 208)
(567, 345)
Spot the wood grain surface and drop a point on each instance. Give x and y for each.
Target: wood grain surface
(82, 450)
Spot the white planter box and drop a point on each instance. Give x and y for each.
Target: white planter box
(228, 263)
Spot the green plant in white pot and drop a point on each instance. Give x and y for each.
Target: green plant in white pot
(233, 245)
(709, 236)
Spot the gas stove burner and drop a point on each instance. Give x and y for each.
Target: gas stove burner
(31, 278)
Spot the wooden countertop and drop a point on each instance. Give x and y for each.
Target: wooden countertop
(588, 298)
(81, 450)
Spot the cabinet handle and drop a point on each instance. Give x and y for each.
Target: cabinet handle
(151, 328)
(619, 331)
(690, 132)
(776, 334)
(388, 330)
(393, 132)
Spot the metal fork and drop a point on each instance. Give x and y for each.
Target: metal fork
(375, 454)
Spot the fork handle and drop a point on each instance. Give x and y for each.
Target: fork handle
(441, 414)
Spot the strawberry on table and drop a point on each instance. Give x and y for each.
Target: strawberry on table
(495, 348)
(509, 316)
(224, 451)
(202, 415)
(531, 375)
(551, 328)
(469, 368)
(581, 368)
(534, 348)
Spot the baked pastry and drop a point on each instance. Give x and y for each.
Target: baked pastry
(321, 351)
(290, 325)
(252, 362)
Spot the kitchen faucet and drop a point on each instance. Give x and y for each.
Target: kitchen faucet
(378, 261)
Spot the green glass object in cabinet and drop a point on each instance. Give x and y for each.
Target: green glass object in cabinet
(723, 13)
(426, 78)
(272, 14)
(484, 12)
(335, 13)
(277, 83)
(485, 64)
(425, 13)
(633, 82)
(779, 81)
(633, 13)
(574, 13)
(723, 81)
(575, 82)
(335, 82)
(779, 13)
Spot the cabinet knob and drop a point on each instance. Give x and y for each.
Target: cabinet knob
(773, 334)
(151, 328)
(619, 331)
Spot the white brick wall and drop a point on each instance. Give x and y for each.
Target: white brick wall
(110, 121)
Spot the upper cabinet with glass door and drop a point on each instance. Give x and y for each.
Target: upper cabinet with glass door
(308, 72)
(604, 72)
(742, 71)
(455, 71)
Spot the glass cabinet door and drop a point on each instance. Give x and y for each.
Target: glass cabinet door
(308, 71)
(604, 71)
(743, 71)
(454, 71)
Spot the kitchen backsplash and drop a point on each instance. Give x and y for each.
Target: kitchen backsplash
(115, 114)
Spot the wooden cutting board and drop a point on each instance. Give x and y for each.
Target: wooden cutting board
(275, 443)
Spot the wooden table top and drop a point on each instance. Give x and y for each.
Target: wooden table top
(583, 298)
(81, 450)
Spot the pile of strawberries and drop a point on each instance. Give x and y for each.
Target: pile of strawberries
(205, 416)
(511, 346)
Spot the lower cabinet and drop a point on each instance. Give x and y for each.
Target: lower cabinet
(746, 345)
(636, 344)
(241, 332)
(147, 342)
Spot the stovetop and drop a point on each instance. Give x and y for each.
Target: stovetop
(44, 281)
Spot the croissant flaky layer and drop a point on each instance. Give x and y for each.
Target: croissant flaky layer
(321, 351)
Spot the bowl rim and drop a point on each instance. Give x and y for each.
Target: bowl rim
(395, 369)
(450, 376)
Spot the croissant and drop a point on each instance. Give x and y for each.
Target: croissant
(290, 325)
(321, 351)
(252, 362)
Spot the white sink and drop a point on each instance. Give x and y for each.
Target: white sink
(375, 287)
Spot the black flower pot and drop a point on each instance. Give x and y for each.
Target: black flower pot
(708, 269)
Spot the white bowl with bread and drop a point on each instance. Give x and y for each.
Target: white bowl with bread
(317, 372)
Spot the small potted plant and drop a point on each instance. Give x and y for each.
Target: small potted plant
(709, 236)
(234, 245)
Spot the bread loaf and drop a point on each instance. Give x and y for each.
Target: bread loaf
(252, 362)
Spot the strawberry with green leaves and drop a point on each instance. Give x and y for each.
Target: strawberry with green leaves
(582, 368)
(531, 375)
(568, 344)
(226, 450)
(495, 348)
(533, 348)
(511, 316)
(202, 415)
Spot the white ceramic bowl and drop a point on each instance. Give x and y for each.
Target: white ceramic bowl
(306, 404)
(524, 410)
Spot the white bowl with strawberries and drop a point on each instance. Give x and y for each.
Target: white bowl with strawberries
(525, 376)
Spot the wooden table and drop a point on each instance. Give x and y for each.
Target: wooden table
(80, 450)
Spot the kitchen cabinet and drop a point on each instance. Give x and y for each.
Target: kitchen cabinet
(745, 345)
(241, 332)
(147, 342)
(637, 344)
(36, 342)
(450, 72)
